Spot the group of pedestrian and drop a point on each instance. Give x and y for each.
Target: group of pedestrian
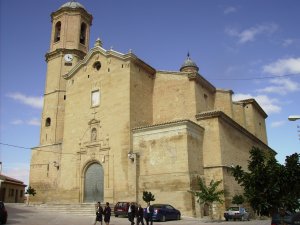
(139, 214)
(100, 212)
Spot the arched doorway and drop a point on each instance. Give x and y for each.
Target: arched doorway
(93, 183)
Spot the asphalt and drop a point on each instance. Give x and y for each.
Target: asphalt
(22, 214)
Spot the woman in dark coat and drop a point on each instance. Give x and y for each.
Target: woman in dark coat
(107, 213)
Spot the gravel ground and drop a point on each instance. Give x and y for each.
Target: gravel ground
(28, 215)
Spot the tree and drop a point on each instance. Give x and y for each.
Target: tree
(269, 185)
(148, 196)
(30, 191)
(208, 194)
(238, 199)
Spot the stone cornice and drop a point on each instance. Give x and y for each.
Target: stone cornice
(55, 91)
(86, 15)
(63, 51)
(224, 91)
(166, 125)
(171, 72)
(192, 77)
(221, 115)
(254, 102)
(43, 146)
(201, 80)
(110, 53)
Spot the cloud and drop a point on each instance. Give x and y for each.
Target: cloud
(281, 86)
(19, 171)
(31, 122)
(251, 33)
(278, 123)
(283, 67)
(229, 10)
(269, 105)
(17, 122)
(34, 122)
(35, 102)
(287, 42)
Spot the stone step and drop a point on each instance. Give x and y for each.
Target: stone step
(78, 209)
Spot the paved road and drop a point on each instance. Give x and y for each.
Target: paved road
(20, 214)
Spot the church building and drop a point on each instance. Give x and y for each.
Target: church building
(113, 126)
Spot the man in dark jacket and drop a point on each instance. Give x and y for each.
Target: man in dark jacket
(149, 214)
(131, 212)
(140, 215)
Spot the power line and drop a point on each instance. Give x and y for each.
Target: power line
(256, 78)
(40, 150)
(15, 146)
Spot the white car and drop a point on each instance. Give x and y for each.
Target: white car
(236, 212)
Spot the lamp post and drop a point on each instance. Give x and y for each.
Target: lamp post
(294, 117)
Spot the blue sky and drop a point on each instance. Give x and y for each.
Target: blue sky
(251, 47)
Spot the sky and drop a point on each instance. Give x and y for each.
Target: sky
(250, 47)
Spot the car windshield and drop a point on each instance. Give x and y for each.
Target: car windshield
(233, 209)
(158, 206)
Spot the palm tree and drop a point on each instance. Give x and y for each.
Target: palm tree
(208, 194)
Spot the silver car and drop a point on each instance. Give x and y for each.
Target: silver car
(236, 212)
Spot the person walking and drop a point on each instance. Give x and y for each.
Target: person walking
(131, 212)
(149, 214)
(140, 215)
(99, 213)
(107, 213)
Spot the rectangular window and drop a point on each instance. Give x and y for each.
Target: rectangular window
(95, 98)
(11, 192)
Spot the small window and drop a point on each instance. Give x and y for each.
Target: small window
(57, 31)
(97, 65)
(94, 134)
(82, 33)
(48, 122)
(95, 98)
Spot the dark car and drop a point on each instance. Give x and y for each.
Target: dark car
(163, 212)
(236, 213)
(121, 209)
(3, 213)
(285, 218)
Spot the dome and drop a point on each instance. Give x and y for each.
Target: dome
(189, 65)
(72, 4)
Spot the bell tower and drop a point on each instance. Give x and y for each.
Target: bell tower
(69, 43)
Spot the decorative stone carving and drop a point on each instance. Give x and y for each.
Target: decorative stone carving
(93, 139)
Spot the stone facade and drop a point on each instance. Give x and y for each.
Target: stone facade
(113, 126)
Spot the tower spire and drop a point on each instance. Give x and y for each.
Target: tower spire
(189, 65)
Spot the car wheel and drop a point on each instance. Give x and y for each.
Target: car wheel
(178, 217)
(116, 215)
(163, 218)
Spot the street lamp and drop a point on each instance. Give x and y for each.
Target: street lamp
(294, 117)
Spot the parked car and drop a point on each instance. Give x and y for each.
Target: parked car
(3, 213)
(164, 212)
(121, 209)
(286, 218)
(236, 212)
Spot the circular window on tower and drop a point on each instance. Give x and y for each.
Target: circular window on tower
(97, 65)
